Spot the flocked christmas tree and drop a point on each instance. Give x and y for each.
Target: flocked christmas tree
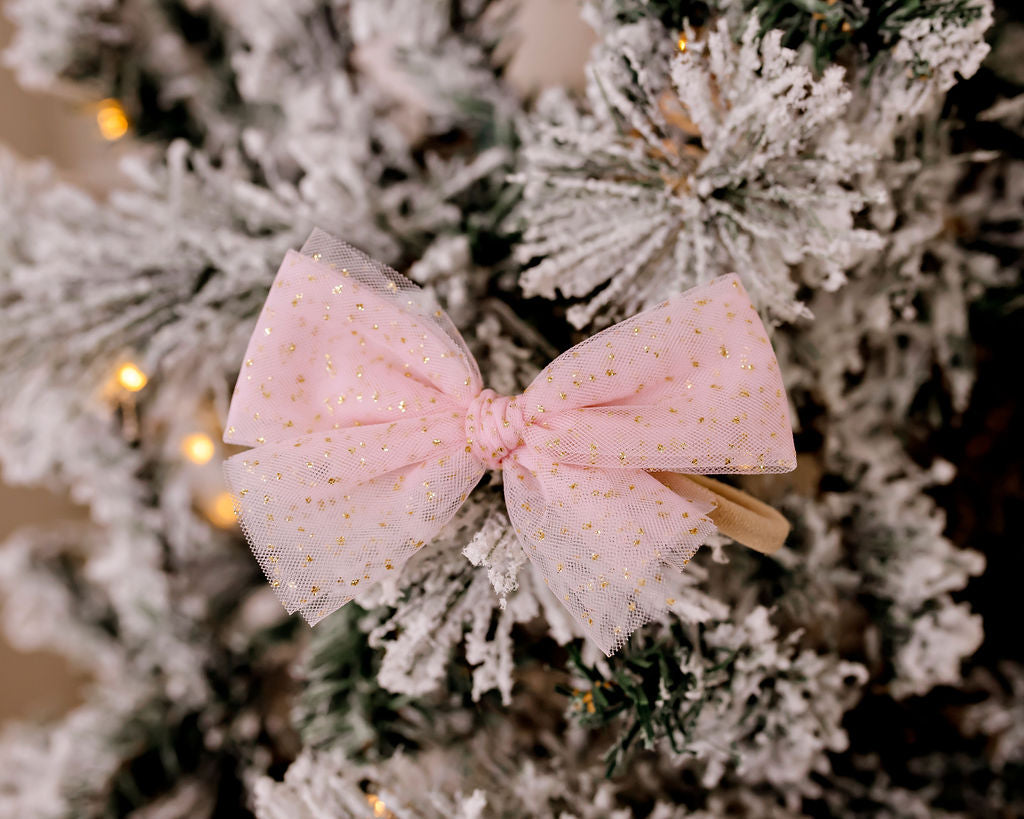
(856, 163)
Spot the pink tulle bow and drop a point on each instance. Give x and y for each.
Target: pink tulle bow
(369, 425)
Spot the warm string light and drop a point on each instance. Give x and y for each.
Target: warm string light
(131, 377)
(118, 391)
(198, 447)
(219, 506)
(379, 808)
(221, 511)
(111, 120)
(681, 43)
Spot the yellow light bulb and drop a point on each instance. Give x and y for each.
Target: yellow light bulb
(682, 43)
(131, 377)
(198, 447)
(375, 802)
(111, 119)
(221, 511)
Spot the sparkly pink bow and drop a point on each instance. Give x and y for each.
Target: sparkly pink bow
(370, 425)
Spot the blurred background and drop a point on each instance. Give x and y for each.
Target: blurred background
(43, 126)
(874, 668)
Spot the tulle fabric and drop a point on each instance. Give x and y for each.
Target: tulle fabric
(369, 425)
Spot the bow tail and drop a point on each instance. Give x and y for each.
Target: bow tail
(323, 543)
(607, 542)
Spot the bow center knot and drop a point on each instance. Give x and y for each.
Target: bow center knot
(494, 426)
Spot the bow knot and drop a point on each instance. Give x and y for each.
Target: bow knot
(494, 426)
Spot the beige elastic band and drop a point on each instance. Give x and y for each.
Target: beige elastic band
(740, 516)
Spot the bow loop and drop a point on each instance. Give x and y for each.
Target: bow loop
(369, 426)
(691, 385)
(339, 343)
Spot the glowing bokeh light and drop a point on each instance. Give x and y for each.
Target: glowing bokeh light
(111, 120)
(198, 447)
(131, 377)
(221, 511)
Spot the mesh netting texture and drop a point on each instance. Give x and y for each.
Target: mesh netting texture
(369, 424)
